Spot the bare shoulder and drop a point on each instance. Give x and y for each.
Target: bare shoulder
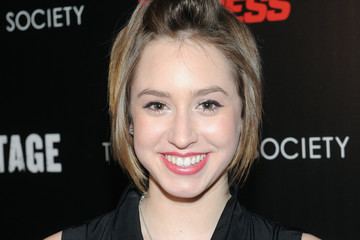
(307, 236)
(56, 236)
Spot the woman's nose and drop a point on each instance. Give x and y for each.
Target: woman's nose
(182, 133)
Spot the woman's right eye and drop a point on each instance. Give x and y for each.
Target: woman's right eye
(155, 106)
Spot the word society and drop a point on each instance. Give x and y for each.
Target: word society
(36, 156)
(44, 18)
(291, 148)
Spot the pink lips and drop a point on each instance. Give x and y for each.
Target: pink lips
(182, 170)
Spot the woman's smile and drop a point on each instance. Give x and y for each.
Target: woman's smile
(185, 164)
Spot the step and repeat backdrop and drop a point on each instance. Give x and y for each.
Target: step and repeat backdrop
(55, 163)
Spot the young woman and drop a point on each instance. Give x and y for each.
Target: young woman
(185, 102)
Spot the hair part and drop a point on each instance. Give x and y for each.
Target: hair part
(201, 20)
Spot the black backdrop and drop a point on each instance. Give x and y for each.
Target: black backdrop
(54, 131)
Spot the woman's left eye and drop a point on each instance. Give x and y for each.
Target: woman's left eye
(209, 106)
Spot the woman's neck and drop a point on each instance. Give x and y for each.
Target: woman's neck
(167, 217)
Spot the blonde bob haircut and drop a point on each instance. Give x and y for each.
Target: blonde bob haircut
(205, 21)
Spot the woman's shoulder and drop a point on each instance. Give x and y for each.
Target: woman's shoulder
(97, 228)
(239, 222)
(266, 228)
(307, 236)
(56, 236)
(106, 225)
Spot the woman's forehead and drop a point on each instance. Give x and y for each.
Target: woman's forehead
(173, 61)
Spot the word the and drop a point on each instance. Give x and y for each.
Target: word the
(107, 146)
(305, 148)
(252, 11)
(44, 18)
(36, 156)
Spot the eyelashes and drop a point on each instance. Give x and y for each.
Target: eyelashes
(207, 106)
(155, 106)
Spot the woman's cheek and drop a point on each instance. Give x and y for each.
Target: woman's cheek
(222, 130)
(148, 130)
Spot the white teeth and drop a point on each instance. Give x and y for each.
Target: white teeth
(180, 162)
(186, 161)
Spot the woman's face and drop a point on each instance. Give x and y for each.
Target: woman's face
(186, 115)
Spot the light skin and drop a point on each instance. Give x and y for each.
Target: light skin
(56, 236)
(184, 103)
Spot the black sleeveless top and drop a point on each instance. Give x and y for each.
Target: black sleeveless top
(124, 223)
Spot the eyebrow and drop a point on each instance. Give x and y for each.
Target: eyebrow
(213, 89)
(201, 92)
(153, 93)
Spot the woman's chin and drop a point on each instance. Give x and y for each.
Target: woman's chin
(183, 192)
(188, 190)
(184, 195)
